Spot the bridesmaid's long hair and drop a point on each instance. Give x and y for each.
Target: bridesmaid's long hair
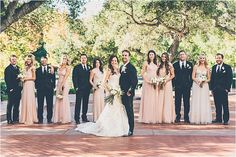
(205, 63)
(31, 57)
(110, 66)
(166, 63)
(155, 58)
(67, 58)
(100, 62)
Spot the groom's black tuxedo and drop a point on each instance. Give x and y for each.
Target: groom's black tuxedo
(80, 77)
(14, 92)
(45, 83)
(220, 82)
(182, 83)
(128, 81)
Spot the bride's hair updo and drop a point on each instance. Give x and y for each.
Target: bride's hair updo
(109, 63)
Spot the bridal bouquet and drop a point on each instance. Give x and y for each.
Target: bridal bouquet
(161, 82)
(154, 82)
(113, 92)
(202, 79)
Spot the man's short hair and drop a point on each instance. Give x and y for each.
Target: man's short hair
(220, 54)
(127, 52)
(83, 54)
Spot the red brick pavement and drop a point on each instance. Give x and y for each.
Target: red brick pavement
(148, 140)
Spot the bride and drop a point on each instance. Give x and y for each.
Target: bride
(113, 120)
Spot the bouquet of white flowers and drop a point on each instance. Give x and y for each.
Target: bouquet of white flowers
(202, 79)
(154, 82)
(98, 85)
(60, 95)
(113, 92)
(161, 82)
(21, 76)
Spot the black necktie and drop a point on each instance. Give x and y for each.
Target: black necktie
(218, 69)
(182, 65)
(44, 69)
(84, 67)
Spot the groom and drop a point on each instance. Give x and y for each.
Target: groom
(128, 82)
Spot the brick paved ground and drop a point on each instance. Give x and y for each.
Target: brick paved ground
(149, 140)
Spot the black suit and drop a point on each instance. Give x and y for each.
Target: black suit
(80, 77)
(45, 83)
(128, 82)
(182, 83)
(220, 82)
(14, 92)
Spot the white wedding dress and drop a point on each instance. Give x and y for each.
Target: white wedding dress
(113, 120)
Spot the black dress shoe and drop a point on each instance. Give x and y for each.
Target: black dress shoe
(225, 123)
(49, 122)
(130, 133)
(177, 120)
(216, 121)
(9, 122)
(186, 121)
(77, 122)
(40, 122)
(85, 120)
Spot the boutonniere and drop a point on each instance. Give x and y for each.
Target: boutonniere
(123, 70)
(49, 69)
(188, 66)
(223, 68)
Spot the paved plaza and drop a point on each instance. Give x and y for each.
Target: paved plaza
(165, 140)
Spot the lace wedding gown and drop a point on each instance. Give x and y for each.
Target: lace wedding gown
(113, 121)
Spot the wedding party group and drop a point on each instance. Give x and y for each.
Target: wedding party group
(114, 89)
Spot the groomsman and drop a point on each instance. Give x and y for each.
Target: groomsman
(45, 83)
(182, 83)
(221, 79)
(13, 90)
(80, 77)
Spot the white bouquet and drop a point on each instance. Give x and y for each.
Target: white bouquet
(161, 82)
(21, 76)
(114, 91)
(60, 95)
(202, 79)
(154, 82)
(98, 85)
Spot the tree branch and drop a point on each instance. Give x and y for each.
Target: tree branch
(14, 14)
(224, 28)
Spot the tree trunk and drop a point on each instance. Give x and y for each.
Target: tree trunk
(14, 14)
(172, 50)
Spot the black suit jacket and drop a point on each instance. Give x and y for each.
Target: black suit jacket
(11, 78)
(45, 81)
(80, 77)
(128, 79)
(183, 77)
(223, 79)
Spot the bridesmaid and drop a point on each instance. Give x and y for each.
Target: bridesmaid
(200, 111)
(96, 79)
(165, 73)
(28, 114)
(62, 112)
(147, 112)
